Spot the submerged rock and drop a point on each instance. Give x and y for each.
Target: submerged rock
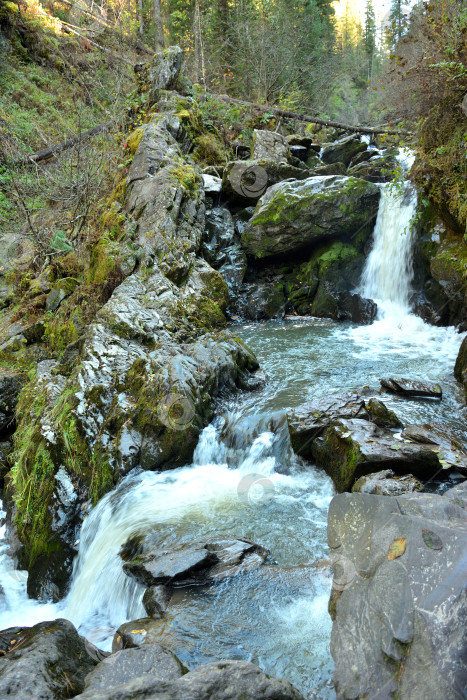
(387, 483)
(49, 660)
(412, 388)
(398, 601)
(294, 215)
(190, 563)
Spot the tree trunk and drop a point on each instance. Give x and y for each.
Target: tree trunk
(158, 25)
(141, 20)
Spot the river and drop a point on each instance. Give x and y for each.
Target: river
(245, 480)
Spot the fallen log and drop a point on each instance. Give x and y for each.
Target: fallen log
(316, 120)
(52, 151)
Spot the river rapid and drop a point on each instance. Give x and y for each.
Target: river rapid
(245, 480)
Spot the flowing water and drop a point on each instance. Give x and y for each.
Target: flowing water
(245, 480)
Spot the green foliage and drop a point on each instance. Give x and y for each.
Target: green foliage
(60, 242)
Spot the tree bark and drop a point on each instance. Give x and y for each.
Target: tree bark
(316, 120)
(141, 19)
(52, 151)
(158, 25)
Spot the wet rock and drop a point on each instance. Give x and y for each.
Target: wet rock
(221, 248)
(46, 661)
(343, 151)
(364, 156)
(269, 145)
(380, 414)
(11, 384)
(412, 388)
(398, 601)
(353, 307)
(150, 661)
(460, 369)
(294, 215)
(378, 169)
(330, 169)
(351, 448)
(164, 70)
(205, 562)
(448, 447)
(156, 600)
(137, 633)
(387, 483)
(220, 680)
(261, 301)
(306, 142)
(247, 181)
(421, 306)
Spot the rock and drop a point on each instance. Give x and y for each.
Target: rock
(351, 448)
(269, 145)
(353, 307)
(150, 661)
(330, 169)
(246, 181)
(380, 414)
(164, 70)
(60, 291)
(344, 150)
(398, 601)
(412, 388)
(11, 384)
(421, 306)
(189, 563)
(303, 142)
(309, 420)
(364, 156)
(137, 633)
(451, 450)
(292, 216)
(460, 369)
(386, 483)
(221, 248)
(220, 680)
(156, 600)
(378, 169)
(212, 184)
(299, 152)
(261, 301)
(46, 661)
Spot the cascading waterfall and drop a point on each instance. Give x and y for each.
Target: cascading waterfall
(388, 272)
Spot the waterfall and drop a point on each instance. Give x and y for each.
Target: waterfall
(388, 272)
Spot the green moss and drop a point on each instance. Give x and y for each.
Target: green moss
(134, 139)
(209, 150)
(186, 176)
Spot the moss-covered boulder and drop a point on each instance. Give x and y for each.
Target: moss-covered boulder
(344, 150)
(460, 369)
(293, 216)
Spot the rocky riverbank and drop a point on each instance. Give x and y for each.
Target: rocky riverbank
(118, 362)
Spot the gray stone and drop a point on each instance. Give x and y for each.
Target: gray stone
(399, 601)
(220, 680)
(387, 483)
(151, 661)
(45, 661)
(164, 70)
(412, 388)
(292, 216)
(269, 145)
(156, 600)
(246, 181)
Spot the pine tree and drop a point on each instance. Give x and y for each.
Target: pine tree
(398, 20)
(369, 32)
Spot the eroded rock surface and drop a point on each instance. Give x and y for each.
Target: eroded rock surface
(399, 601)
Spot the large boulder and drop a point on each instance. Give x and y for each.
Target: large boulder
(293, 216)
(398, 601)
(344, 150)
(412, 388)
(220, 680)
(221, 248)
(269, 145)
(49, 660)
